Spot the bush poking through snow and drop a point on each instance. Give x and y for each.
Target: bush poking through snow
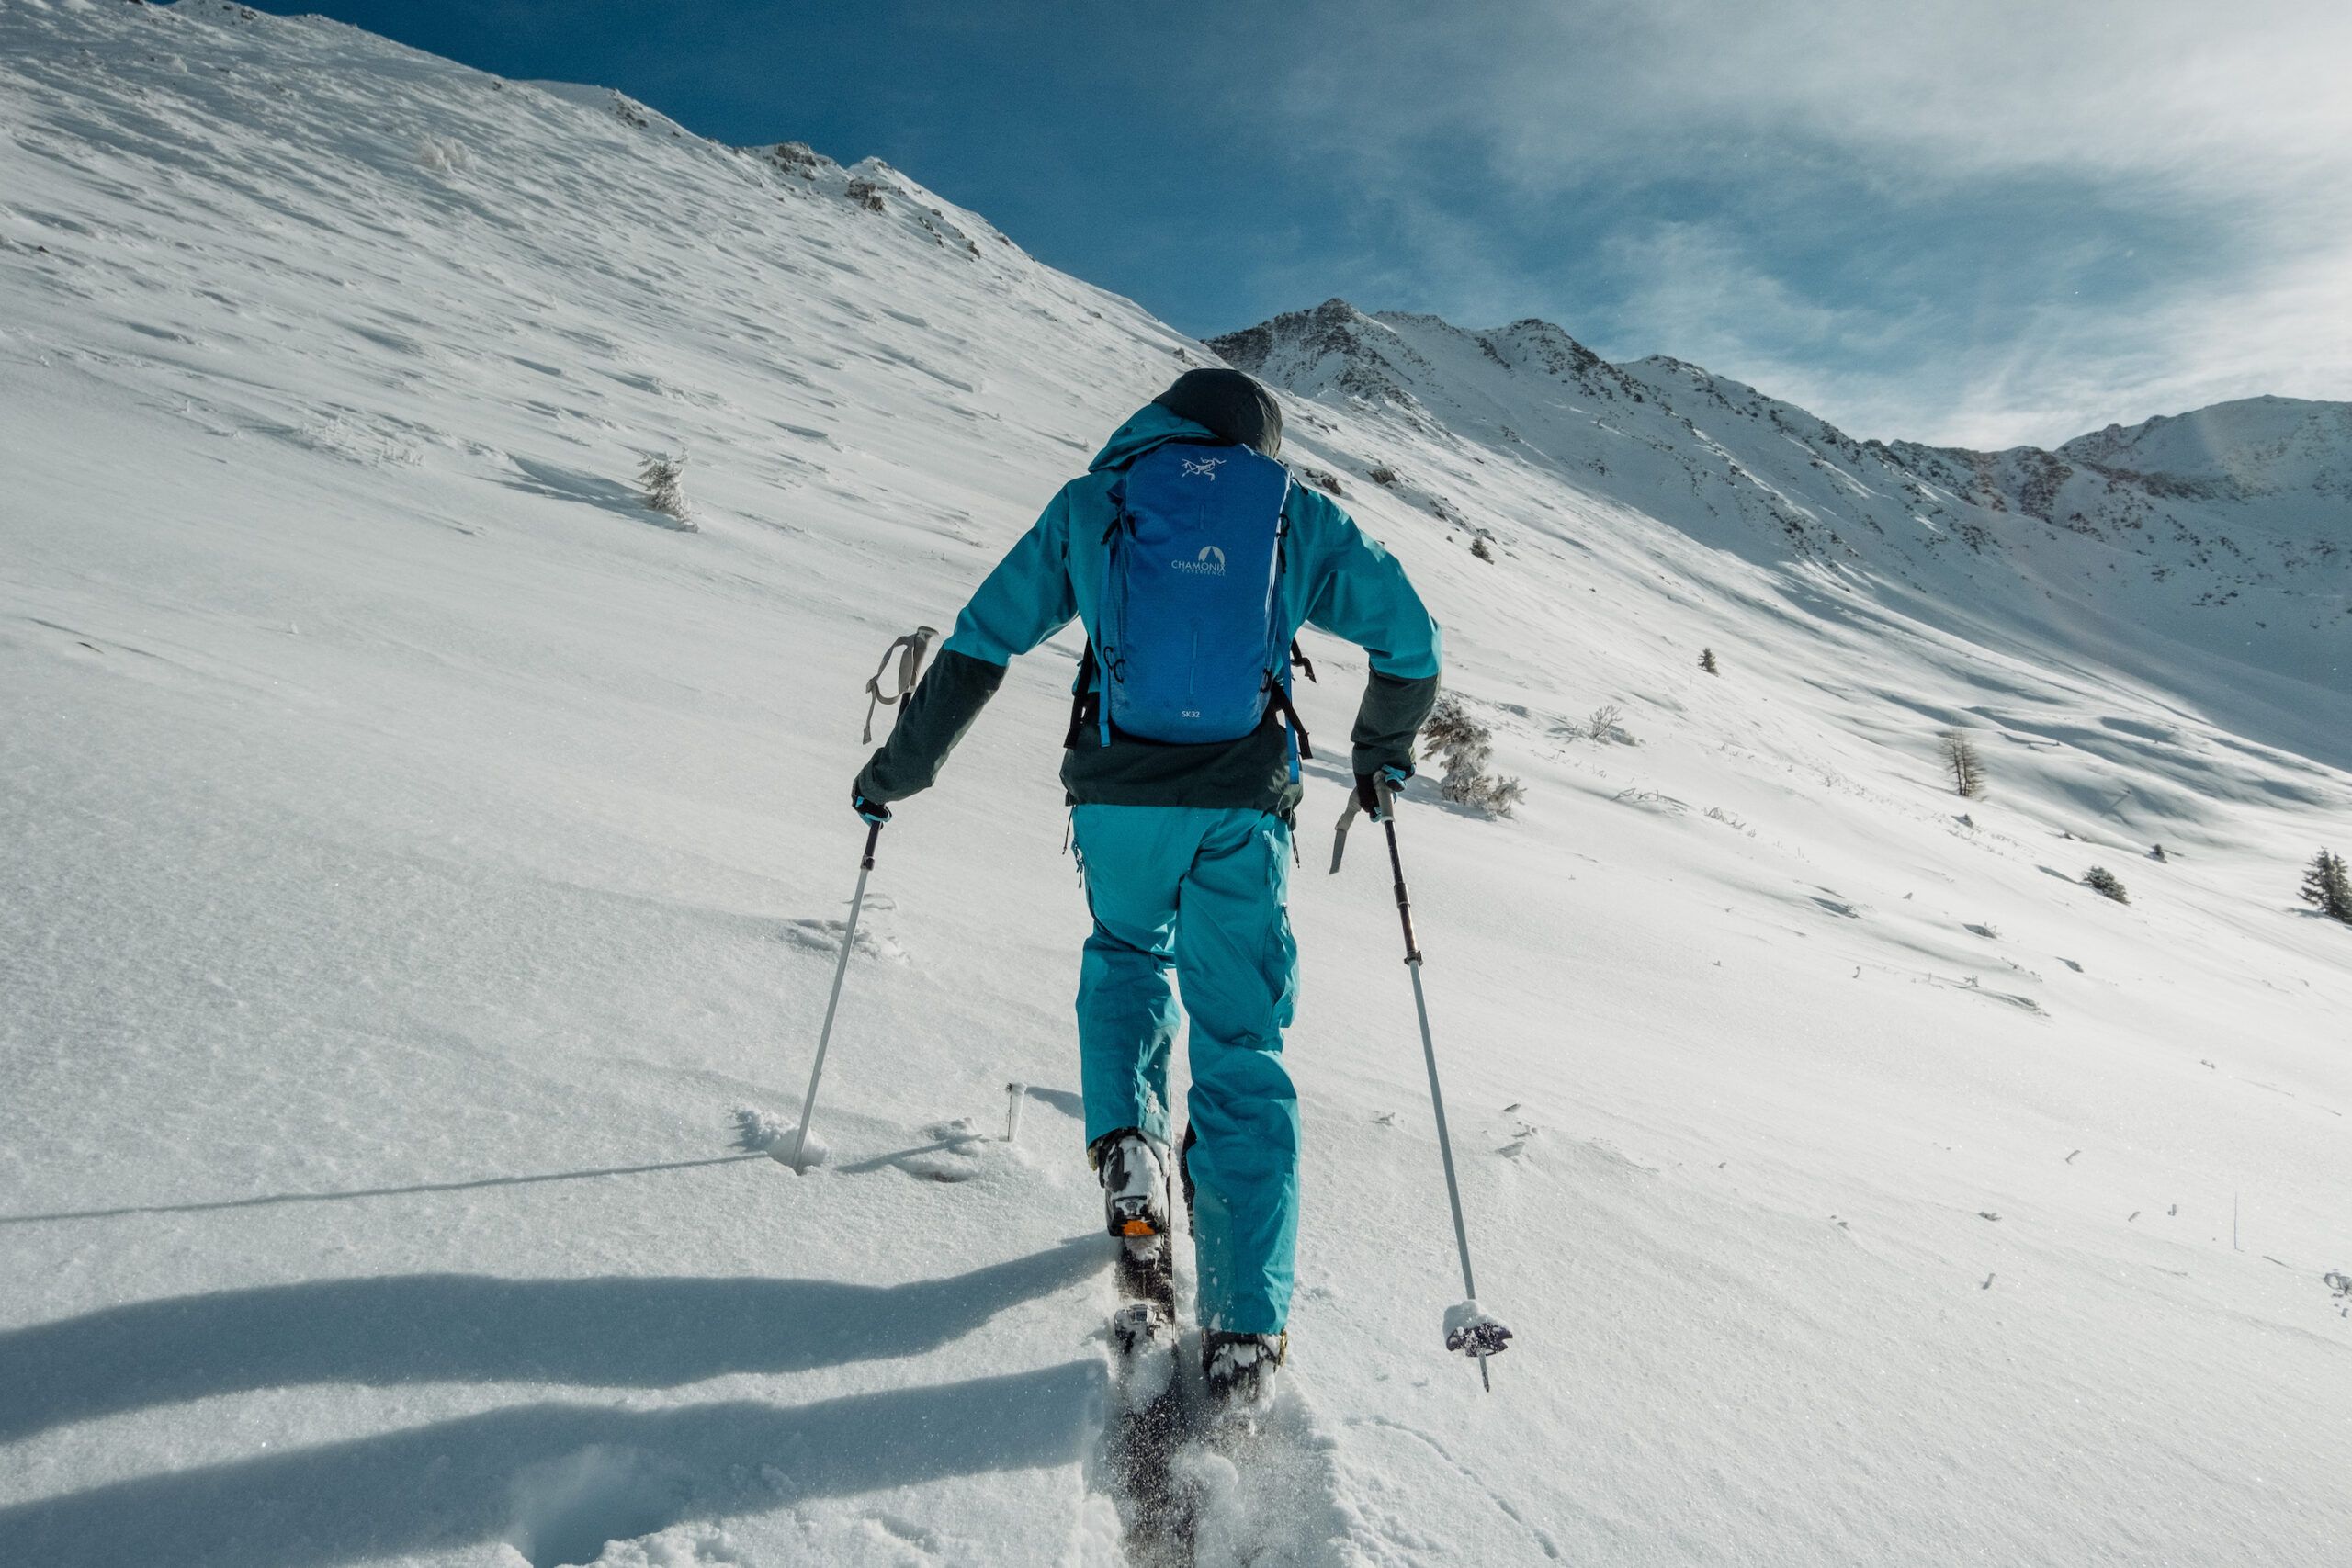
(1464, 747)
(1493, 793)
(2327, 887)
(663, 479)
(2103, 882)
(1480, 549)
(1604, 726)
(1707, 662)
(1961, 765)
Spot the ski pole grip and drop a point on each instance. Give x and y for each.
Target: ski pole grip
(872, 836)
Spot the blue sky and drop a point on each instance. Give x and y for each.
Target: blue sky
(1977, 220)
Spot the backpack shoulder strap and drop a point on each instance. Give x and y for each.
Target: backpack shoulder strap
(1086, 694)
(1279, 694)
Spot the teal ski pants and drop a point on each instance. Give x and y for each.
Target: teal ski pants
(1200, 891)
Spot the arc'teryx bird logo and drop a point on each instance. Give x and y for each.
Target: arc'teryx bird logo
(1210, 562)
(1202, 467)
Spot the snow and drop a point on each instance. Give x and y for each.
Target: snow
(425, 869)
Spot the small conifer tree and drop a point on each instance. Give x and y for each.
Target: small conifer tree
(2327, 887)
(663, 479)
(2103, 882)
(1960, 761)
(1464, 747)
(1707, 662)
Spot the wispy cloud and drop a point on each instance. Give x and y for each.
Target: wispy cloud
(1985, 220)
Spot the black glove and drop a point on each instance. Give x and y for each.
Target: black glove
(1372, 787)
(873, 811)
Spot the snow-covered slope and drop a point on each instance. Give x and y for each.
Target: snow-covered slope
(417, 855)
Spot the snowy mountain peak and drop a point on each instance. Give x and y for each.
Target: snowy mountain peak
(629, 111)
(1333, 346)
(2255, 446)
(1392, 356)
(876, 188)
(1530, 342)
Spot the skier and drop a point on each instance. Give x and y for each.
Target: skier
(1192, 561)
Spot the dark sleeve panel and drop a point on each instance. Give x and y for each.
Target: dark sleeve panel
(943, 708)
(1388, 719)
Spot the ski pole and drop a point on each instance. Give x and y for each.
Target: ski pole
(1467, 1329)
(798, 1161)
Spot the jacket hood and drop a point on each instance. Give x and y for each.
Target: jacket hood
(1151, 426)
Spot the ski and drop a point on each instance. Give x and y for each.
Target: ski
(1152, 1414)
(1143, 1324)
(1137, 1211)
(1157, 1420)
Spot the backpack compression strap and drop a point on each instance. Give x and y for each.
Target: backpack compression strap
(1084, 700)
(1278, 692)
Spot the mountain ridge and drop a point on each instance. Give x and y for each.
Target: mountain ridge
(2229, 521)
(1328, 324)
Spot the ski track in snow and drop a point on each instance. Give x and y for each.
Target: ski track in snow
(418, 853)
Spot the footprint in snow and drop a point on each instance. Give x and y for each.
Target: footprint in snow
(825, 937)
(568, 1510)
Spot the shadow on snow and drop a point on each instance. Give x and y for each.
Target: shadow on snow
(420, 1328)
(554, 1479)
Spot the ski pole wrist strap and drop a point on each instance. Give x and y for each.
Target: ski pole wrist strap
(909, 650)
(1374, 796)
(1340, 837)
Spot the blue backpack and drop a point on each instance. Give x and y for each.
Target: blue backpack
(1187, 645)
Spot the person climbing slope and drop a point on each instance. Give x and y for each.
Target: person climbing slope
(1192, 559)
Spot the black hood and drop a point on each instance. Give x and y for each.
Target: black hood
(1231, 405)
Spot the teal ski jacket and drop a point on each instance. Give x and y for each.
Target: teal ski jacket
(1335, 579)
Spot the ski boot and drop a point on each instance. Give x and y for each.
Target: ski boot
(1241, 1370)
(1133, 1168)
